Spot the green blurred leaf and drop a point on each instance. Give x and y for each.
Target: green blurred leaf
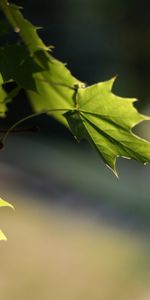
(5, 203)
(2, 236)
(3, 95)
(106, 120)
(2, 204)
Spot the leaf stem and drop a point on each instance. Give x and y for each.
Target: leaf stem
(3, 140)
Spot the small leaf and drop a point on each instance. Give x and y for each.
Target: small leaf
(2, 236)
(5, 203)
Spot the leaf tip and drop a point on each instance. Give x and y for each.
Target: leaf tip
(113, 169)
(4, 203)
(112, 166)
(146, 118)
(111, 82)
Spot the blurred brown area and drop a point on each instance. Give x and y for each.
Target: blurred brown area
(58, 246)
(52, 254)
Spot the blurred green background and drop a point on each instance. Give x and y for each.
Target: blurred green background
(78, 232)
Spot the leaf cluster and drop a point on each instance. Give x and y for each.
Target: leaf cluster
(93, 113)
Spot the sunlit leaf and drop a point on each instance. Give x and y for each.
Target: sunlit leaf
(55, 87)
(106, 120)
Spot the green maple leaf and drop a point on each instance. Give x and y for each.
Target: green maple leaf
(93, 113)
(106, 121)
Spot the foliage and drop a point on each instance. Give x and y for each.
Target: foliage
(93, 113)
(2, 204)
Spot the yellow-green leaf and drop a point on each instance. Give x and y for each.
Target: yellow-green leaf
(2, 236)
(2, 204)
(5, 203)
(106, 120)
